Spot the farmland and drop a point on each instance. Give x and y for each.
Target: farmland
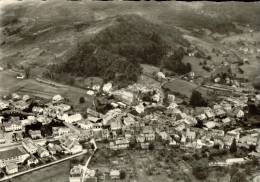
(10, 84)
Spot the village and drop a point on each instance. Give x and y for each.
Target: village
(137, 118)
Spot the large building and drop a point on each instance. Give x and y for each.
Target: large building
(29, 145)
(14, 155)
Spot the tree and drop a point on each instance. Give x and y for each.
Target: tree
(27, 72)
(239, 177)
(233, 147)
(200, 169)
(151, 146)
(196, 99)
(81, 100)
(122, 174)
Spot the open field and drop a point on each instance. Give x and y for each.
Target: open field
(180, 86)
(9, 84)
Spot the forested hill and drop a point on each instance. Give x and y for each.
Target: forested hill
(116, 52)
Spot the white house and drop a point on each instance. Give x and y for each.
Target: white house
(107, 87)
(86, 125)
(57, 99)
(72, 118)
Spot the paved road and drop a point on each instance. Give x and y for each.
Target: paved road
(42, 166)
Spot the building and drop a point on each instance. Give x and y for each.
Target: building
(11, 168)
(119, 144)
(124, 96)
(42, 152)
(14, 155)
(4, 105)
(72, 146)
(93, 113)
(32, 161)
(86, 125)
(57, 99)
(148, 133)
(29, 145)
(59, 131)
(114, 174)
(72, 118)
(13, 125)
(35, 134)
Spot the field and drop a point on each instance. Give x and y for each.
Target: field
(57, 173)
(180, 86)
(9, 84)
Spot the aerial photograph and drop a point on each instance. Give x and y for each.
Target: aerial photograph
(125, 91)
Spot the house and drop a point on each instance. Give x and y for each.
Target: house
(72, 118)
(59, 131)
(228, 140)
(26, 98)
(191, 135)
(43, 119)
(145, 145)
(35, 134)
(93, 113)
(51, 148)
(209, 113)
(201, 117)
(32, 161)
(63, 131)
(119, 144)
(148, 133)
(14, 155)
(2, 139)
(86, 125)
(42, 152)
(129, 120)
(164, 135)
(13, 125)
(4, 105)
(29, 145)
(139, 108)
(114, 174)
(220, 113)
(239, 113)
(160, 76)
(11, 168)
(171, 98)
(26, 122)
(107, 87)
(15, 96)
(232, 161)
(21, 105)
(140, 138)
(94, 119)
(72, 145)
(210, 124)
(116, 124)
(57, 99)
(124, 96)
(156, 97)
(226, 120)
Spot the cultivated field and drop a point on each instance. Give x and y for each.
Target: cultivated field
(10, 84)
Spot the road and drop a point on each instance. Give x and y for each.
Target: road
(89, 159)
(42, 166)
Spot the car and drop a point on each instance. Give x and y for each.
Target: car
(20, 76)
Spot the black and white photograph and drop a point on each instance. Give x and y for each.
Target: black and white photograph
(129, 91)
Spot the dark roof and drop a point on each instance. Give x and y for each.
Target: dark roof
(12, 153)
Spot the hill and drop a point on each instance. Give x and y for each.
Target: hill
(116, 52)
(38, 34)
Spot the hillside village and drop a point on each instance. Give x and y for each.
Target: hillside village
(156, 92)
(140, 117)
